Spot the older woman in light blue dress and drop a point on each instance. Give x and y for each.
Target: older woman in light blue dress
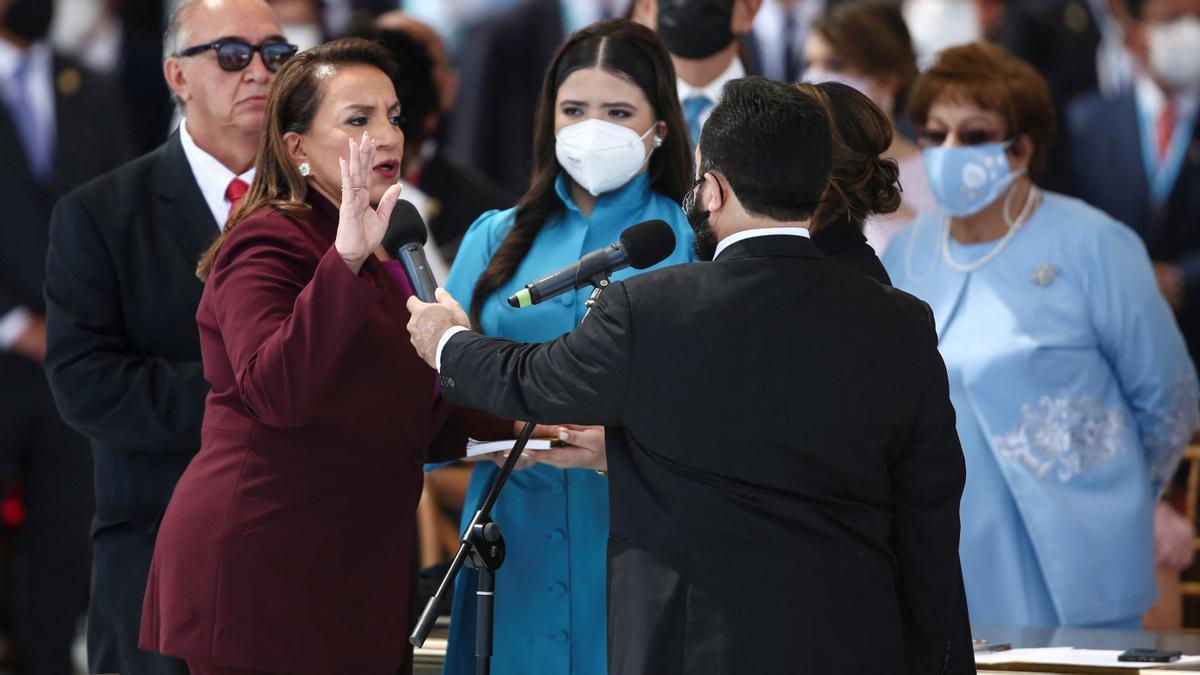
(1073, 387)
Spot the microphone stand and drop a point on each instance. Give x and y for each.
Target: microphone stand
(482, 547)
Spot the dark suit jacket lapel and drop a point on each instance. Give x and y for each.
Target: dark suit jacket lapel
(771, 246)
(1126, 128)
(751, 54)
(183, 206)
(16, 164)
(75, 127)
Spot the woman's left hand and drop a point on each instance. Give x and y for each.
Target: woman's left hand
(360, 227)
(1174, 538)
(584, 449)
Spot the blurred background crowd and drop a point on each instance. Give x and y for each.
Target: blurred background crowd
(1124, 77)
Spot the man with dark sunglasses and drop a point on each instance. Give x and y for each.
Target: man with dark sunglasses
(123, 355)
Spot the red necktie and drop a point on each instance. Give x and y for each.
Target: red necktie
(1164, 127)
(234, 193)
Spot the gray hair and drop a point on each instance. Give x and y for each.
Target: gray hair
(171, 45)
(171, 38)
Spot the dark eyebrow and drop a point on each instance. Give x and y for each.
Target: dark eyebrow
(368, 108)
(613, 104)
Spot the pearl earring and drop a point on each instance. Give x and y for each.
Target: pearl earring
(658, 141)
(305, 169)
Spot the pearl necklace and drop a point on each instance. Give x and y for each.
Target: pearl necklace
(1015, 224)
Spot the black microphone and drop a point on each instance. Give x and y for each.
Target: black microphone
(405, 240)
(640, 246)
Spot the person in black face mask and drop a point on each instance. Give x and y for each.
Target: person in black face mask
(703, 38)
(50, 112)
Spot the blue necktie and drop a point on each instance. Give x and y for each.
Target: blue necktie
(693, 107)
(790, 62)
(27, 127)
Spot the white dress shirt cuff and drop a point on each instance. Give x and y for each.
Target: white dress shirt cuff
(442, 343)
(13, 325)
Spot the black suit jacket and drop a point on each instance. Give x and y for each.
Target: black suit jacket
(785, 471)
(90, 139)
(845, 244)
(503, 61)
(1108, 172)
(123, 354)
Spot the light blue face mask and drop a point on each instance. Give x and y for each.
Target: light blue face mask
(966, 179)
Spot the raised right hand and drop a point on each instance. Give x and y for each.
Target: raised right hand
(360, 227)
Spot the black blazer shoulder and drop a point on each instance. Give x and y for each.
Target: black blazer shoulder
(123, 353)
(846, 245)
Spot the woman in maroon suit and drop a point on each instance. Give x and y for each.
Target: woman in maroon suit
(288, 544)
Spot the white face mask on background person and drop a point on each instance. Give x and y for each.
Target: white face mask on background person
(74, 21)
(938, 24)
(864, 86)
(303, 35)
(1175, 52)
(601, 156)
(814, 75)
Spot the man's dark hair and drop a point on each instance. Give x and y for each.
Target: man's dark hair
(415, 87)
(772, 143)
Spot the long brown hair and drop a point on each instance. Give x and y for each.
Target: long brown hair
(628, 50)
(295, 96)
(871, 36)
(862, 181)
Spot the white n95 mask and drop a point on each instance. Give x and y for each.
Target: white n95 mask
(1175, 52)
(599, 155)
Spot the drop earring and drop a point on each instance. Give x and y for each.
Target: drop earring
(305, 169)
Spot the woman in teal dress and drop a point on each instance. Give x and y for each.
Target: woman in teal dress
(1073, 388)
(610, 151)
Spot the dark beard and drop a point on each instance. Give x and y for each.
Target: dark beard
(705, 245)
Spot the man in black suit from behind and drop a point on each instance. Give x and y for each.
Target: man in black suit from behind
(123, 354)
(50, 109)
(784, 463)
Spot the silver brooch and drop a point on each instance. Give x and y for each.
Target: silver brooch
(1045, 275)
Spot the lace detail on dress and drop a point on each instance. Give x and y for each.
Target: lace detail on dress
(1172, 431)
(1061, 438)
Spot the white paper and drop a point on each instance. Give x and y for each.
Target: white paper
(1069, 656)
(476, 448)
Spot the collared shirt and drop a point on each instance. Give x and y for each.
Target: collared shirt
(759, 232)
(712, 90)
(39, 93)
(39, 86)
(768, 33)
(212, 176)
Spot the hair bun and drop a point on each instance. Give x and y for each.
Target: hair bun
(882, 185)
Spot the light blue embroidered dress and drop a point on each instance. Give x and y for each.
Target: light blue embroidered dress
(550, 614)
(1075, 397)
